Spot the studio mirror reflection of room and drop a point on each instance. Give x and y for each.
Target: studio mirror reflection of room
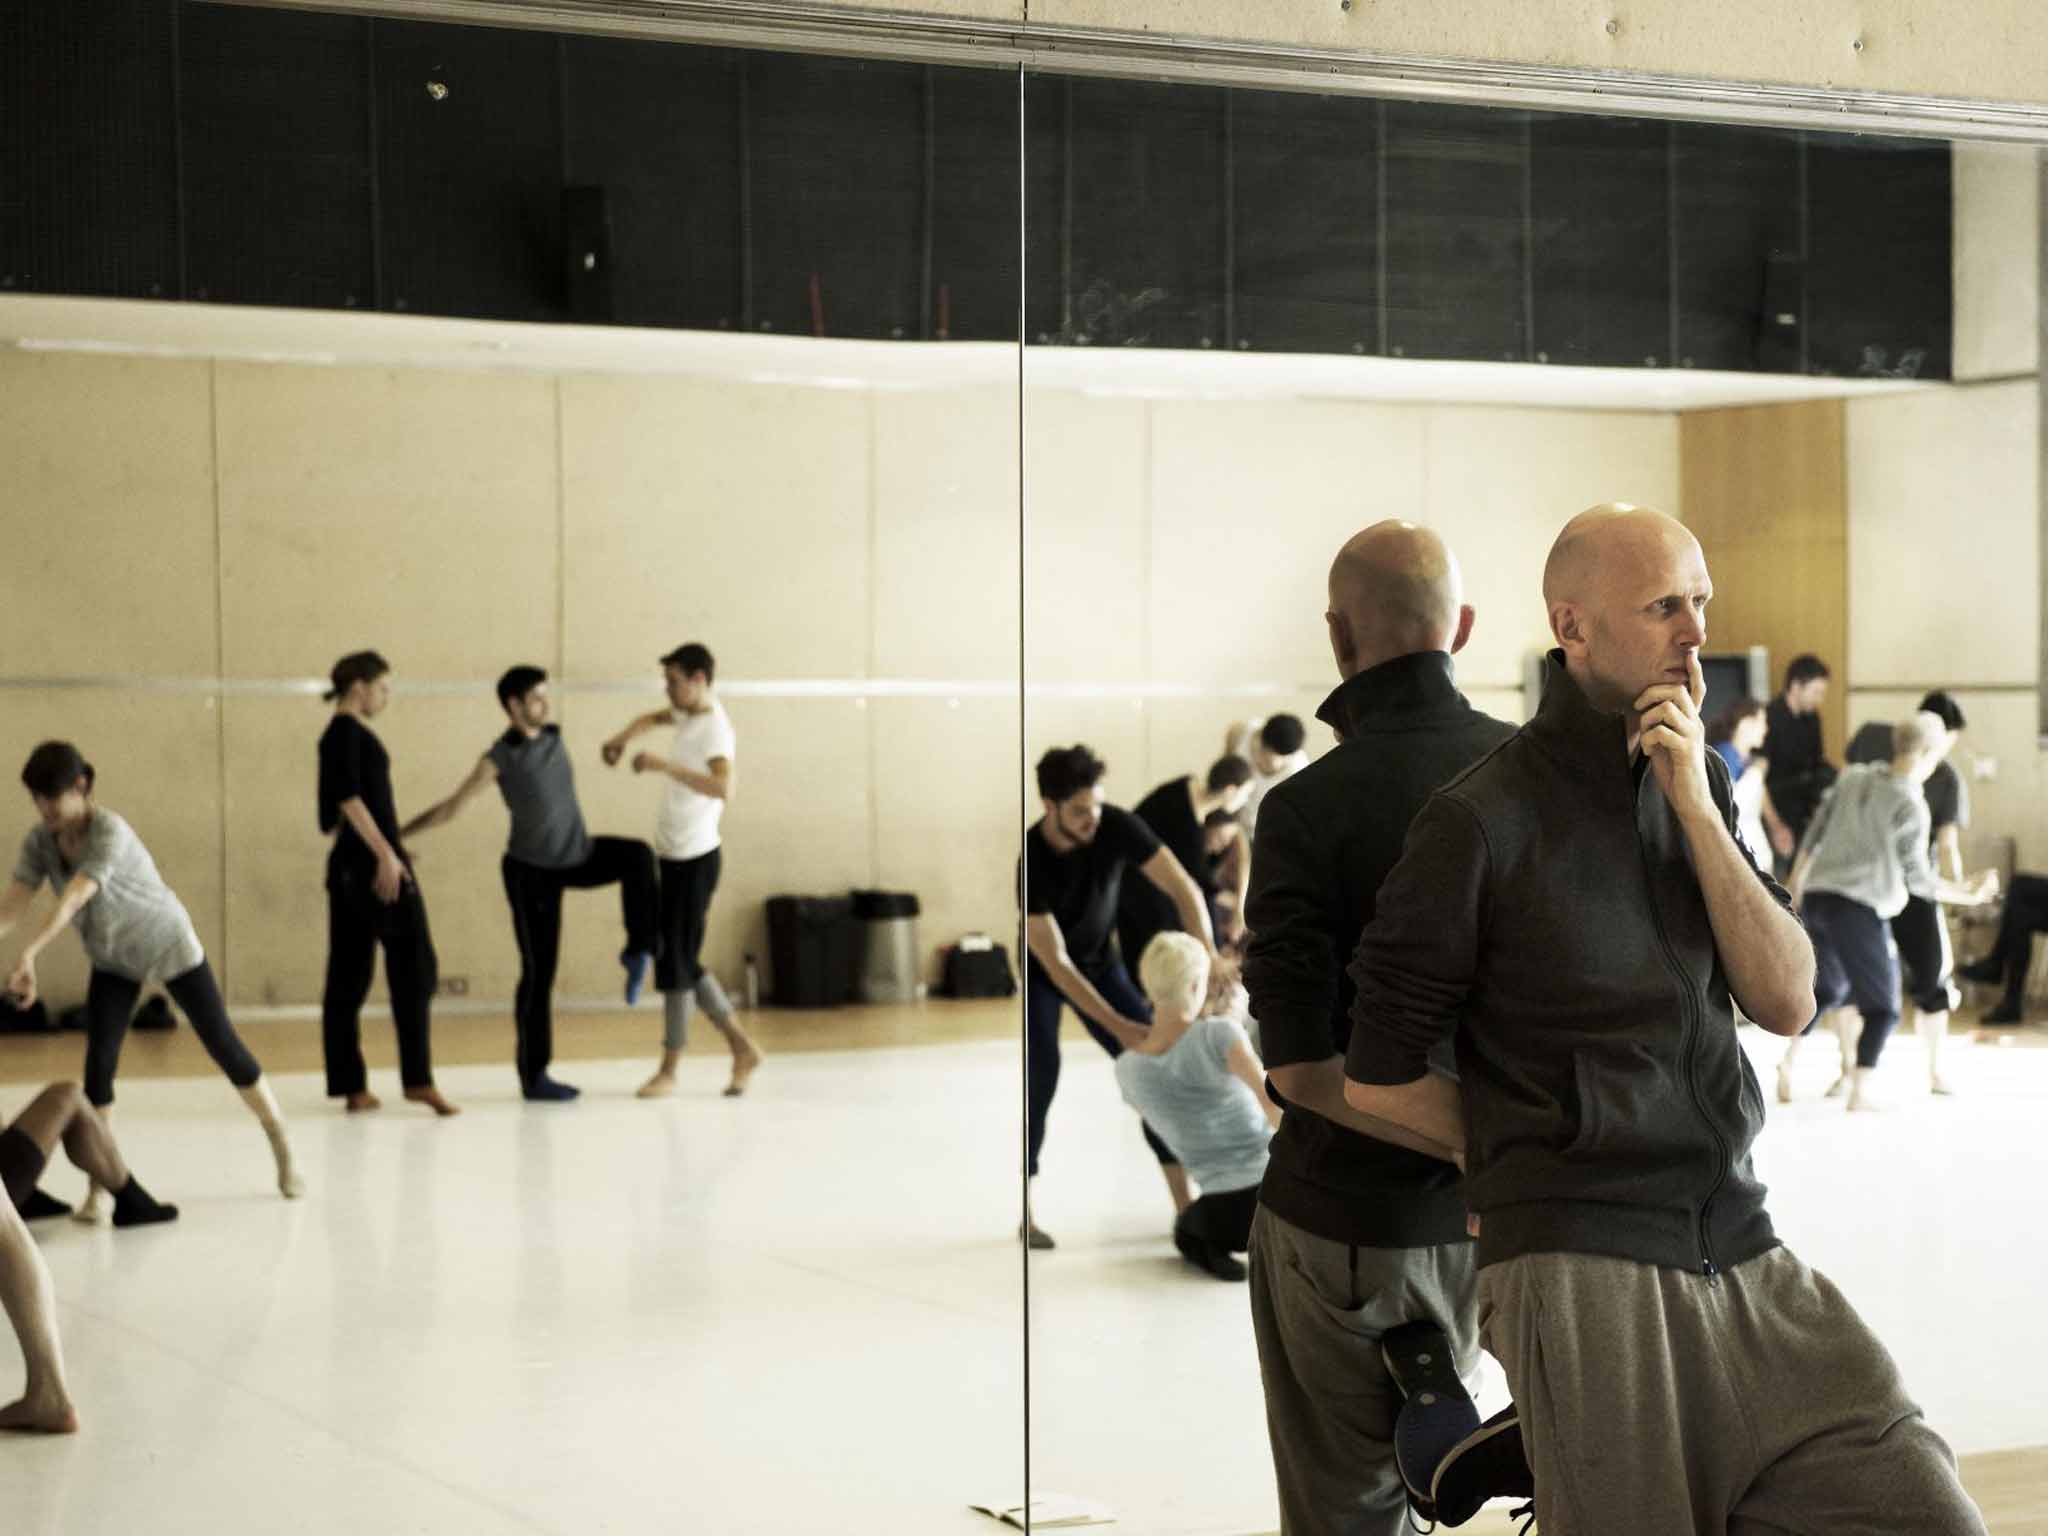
(510, 657)
(1486, 572)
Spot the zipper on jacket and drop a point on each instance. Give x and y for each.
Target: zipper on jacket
(1690, 1051)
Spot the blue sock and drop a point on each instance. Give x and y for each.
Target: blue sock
(638, 963)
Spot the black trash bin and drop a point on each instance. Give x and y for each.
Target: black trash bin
(814, 951)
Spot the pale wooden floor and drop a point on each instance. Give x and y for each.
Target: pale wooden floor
(2011, 1486)
(473, 1039)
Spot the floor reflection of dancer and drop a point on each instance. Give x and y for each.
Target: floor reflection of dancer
(372, 898)
(699, 768)
(135, 930)
(549, 852)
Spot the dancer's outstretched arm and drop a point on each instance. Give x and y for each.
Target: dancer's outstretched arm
(22, 983)
(481, 777)
(31, 1303)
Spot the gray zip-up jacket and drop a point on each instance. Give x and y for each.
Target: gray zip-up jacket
(1545, 911)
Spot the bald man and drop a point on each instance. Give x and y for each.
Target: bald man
(1580, 915)
(1355, 1234)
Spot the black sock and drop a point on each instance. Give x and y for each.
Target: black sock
(135, 1207)
(39, 1205)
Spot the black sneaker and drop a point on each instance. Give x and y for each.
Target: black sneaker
(1437, 1414)
(1489, 1463)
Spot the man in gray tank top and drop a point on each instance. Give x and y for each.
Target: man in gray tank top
(549, 851)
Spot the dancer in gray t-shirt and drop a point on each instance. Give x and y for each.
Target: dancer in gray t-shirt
(550, 851)
(135, 931)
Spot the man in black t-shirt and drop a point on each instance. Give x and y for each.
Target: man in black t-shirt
(1075, 859)
(1797, 774)
(1925, 954)
(1361, 1227)
(1177, 813)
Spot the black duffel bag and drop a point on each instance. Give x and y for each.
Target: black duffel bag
(976, 967)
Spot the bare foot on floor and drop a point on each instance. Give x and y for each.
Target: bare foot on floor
(431, 1097)
(744, 1061)
(43, 1415)
(660, 1086)
(358, 1102)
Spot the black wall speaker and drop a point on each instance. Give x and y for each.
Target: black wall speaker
(587, 253)
(1781, 317)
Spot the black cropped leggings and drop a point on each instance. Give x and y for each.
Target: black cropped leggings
(110, 1004)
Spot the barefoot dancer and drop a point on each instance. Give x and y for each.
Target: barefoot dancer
(372, 897)
(44, 1406)
(699, 769)
(134, 928)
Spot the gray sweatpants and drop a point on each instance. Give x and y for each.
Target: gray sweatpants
(1654, 1401)
(1318, 1310)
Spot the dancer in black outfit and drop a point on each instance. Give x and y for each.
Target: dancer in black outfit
(373, 899)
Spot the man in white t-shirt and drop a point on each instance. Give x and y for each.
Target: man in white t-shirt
(698, 767)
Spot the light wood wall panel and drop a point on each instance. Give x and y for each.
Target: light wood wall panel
(110, 525)
(946, 558)
(1086, 545)
(1502, 482)
(408, 511)
(946, 825)
(1943, 535)
(157, 760)
(1250, 500)
(733, 513)
(1766, 494)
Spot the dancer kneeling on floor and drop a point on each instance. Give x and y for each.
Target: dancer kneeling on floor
(1197, 1081)
(61, 1116)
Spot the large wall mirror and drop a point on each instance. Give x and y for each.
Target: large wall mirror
(1260, 322)
(684, 377)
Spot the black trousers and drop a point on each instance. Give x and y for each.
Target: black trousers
(1222, 1221)
(535, 896)
(686, 887)
(2025, 914)
(358, 925)
(1854, 962)
(110, 1004)
(1042, 1004)
(1924, 955)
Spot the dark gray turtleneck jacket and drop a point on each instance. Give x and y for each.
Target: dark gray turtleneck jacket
(1546, 913)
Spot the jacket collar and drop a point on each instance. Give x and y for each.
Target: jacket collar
(1392, 694)
(1569, 727)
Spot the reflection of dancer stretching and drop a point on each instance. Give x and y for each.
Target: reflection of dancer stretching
(550, 851)
(699, 769)
(134, 928)
(1196, 1079)
(372, 898)
(1075, 859)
